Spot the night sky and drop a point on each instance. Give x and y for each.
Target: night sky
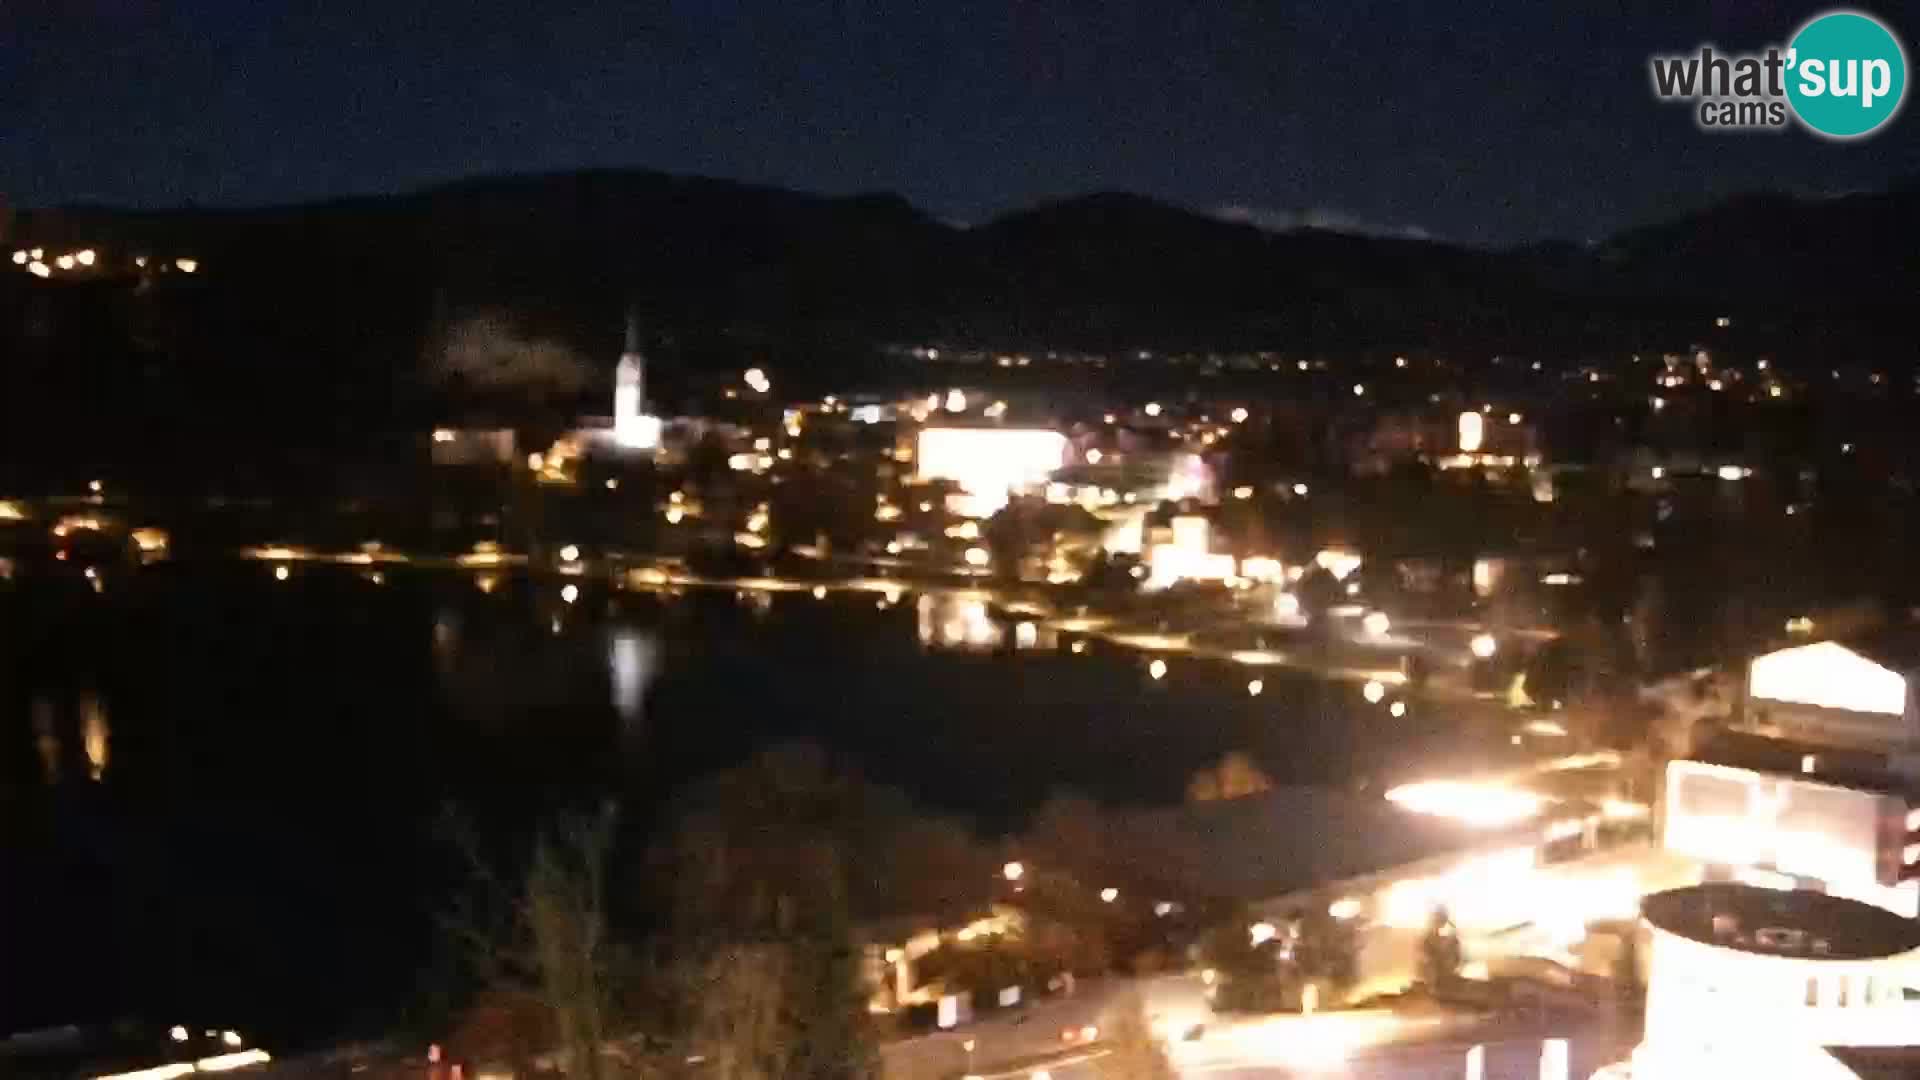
(1488, 123)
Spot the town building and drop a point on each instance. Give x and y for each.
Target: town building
(1852, 694)
(1758, 983)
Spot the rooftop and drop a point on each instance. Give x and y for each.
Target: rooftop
(1802, 924)
(1895, 647)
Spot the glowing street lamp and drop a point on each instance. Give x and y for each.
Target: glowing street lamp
(1373, 691)
(1484, 645)
(1109, 894)
(1013, 871)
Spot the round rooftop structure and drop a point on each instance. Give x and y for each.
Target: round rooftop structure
(1767, 922)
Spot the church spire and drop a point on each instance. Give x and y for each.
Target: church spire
(633, 332)
(632, 427)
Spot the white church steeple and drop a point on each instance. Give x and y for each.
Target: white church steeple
(633, 428)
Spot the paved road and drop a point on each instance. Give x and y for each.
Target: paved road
(1517, 1059)
(1361, 1045)
(1174, 1002)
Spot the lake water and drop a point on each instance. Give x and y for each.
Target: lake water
(224, 794)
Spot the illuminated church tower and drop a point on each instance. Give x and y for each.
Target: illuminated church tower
(633, 429)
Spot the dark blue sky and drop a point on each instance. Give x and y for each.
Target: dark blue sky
(1486, 123)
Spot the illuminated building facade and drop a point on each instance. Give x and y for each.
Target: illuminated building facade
(1187, 555)
(1791, 832)
(472, 446)
(989, 463)
(1854, 694)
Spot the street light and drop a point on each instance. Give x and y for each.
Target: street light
(1109, 894)
(1013, 871)
(1373, 691)
(1484, 645)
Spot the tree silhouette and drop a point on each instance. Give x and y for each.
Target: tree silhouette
(543, 941)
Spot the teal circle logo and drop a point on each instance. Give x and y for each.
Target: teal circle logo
(1846, 74)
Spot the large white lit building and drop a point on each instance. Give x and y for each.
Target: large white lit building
(1854, 694)
(1187, 555)
(1791, 832)
(1757, 983)
(989, 464)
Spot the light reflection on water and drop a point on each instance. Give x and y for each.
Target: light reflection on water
(89, 730)
(94, 733)
(632, 663)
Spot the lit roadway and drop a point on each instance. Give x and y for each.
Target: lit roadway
(1212, 1057)
(1365, 1044)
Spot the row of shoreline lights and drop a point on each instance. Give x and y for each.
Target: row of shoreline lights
(1373, 690)
(34, 261)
